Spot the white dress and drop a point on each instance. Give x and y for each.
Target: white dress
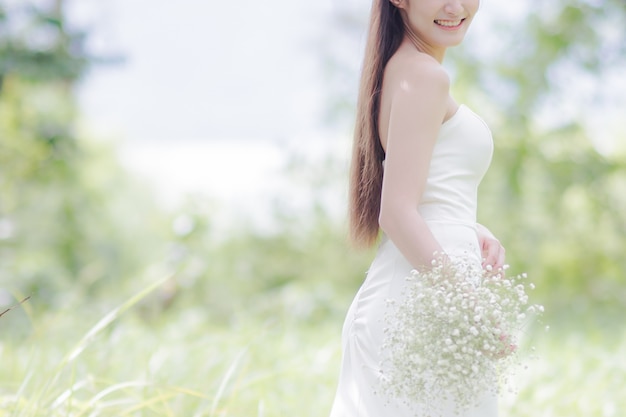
(461, 156)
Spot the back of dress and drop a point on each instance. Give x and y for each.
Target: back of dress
(460, 158)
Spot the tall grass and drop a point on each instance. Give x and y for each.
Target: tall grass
(179, 364)
(184, 363)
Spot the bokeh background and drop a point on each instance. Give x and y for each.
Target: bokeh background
(173, 191)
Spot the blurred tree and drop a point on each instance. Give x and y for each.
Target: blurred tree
(64, 220)
(36, 44)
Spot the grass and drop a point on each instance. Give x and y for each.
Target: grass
(580, 371)
(76, 363)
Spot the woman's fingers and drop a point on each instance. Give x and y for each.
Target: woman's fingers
(493, 254)
(501, 256)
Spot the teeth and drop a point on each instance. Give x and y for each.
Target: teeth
(448, 23)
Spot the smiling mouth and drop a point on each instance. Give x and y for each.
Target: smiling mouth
(450, 23)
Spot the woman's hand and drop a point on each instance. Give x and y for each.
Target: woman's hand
(492, 251)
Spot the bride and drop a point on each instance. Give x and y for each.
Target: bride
(418, 158)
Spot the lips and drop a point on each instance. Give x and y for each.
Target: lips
(450, 23)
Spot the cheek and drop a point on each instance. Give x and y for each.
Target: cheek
(473, 6)
(419, 21)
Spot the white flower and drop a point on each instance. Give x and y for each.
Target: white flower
(454, 323)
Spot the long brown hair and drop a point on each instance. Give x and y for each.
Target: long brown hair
(386, 31)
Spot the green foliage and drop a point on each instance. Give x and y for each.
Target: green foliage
(66, 211)
(70, 218)
(184, 365)
(302, 269)
(36, 44)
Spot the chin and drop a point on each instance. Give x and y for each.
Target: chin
(457, 43)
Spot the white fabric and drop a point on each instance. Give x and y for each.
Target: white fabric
(460, 159)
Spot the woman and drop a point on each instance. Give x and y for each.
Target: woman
(418, 158)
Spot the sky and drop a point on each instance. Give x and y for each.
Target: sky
(204, 70)
(210, 97)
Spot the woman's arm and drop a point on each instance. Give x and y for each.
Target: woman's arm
(419, 98)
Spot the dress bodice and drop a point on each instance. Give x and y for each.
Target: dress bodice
(460, 159)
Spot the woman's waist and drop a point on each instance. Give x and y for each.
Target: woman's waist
(440, 212)
(451, 223)
(438, 220)
(455, 236)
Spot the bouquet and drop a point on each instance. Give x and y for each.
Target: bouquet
(454, 330)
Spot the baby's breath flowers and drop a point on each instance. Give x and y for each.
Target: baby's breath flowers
(454, 330)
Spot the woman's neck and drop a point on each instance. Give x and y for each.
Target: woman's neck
(420, 45)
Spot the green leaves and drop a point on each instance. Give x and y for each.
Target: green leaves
(36, 45)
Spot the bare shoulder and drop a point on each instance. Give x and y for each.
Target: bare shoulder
(410, 71)
(415, 97)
